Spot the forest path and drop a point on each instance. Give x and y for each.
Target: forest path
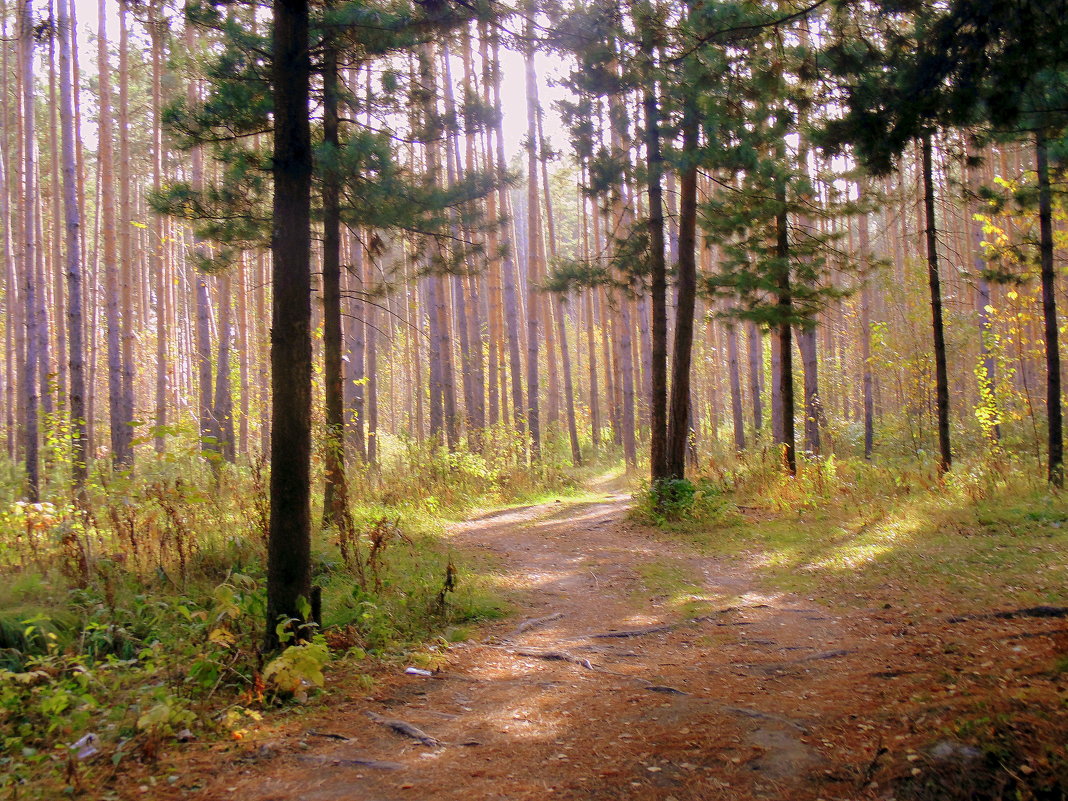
(721, 704)
(611, 684)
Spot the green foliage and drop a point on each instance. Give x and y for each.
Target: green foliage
(298, 668)
(138, 615)
(678, 500)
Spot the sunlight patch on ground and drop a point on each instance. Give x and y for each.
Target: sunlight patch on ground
(869, 545)
(754, 598)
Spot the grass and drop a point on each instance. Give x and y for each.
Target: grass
(141, 615)
(847, 529)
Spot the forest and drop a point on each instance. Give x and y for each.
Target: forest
(473, 399)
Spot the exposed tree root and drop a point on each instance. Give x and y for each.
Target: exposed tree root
(404, 728)
(535, 622)
(1009, 614)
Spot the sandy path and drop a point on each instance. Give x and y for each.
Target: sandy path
(760, 696)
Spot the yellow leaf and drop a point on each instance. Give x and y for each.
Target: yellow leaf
(221, 637)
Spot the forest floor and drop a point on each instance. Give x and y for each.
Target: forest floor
(618, 680)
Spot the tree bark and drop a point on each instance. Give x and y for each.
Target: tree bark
(289, 544)
(941, 373)
(223, 404)
(679, 417)
(157, 27)
(334, 495)
(534, 245)
(1055, 439)
(658, 268)
(755, 353)
(72, 224)
(126, 268)
(29, 169)
(865, 342)
(806, 345)
(785, 311)
(736, 388)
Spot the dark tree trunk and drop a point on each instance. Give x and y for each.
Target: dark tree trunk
(865, 344)
(658, 269)
(1055, 472)
(686, 280)
(941, 372)
(289, 546)
(333, 369)
(786, 311)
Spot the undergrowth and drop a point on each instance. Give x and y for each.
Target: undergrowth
(133, 620)
(846, 530)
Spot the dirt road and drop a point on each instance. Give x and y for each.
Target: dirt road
(602, 689)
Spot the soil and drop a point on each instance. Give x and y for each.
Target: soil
(598, 689)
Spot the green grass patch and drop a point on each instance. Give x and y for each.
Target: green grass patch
(845, 530)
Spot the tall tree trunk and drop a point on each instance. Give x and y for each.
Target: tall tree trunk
(209, 432)
(533, 246)
(469, 356)
(223, 404)
(12, 352)
(736, 388)
(559, 318)
(56, 268)
(785, 312)
(755, 353)
(357, 351)
(477, 311)
(72, 222)
(126, 269)
(29, 169)
(941, 373)
(510, 276)
(334, 495)
(441, 328)
(157, 29)
(1055, 444)
(806, 345)
(865, 341)
(243, 358)
(591, 334)
(679, 417)
(657, 264)
(371, 347)
(289, 545)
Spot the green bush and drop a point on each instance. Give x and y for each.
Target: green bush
(679, 500)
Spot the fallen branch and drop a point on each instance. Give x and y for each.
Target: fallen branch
(406, 729)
